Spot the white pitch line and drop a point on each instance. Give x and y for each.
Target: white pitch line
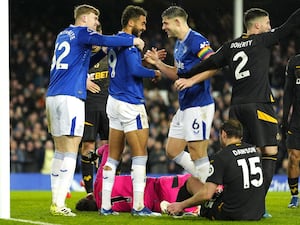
(32, 222)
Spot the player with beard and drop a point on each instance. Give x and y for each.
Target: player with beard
(248, 58)
(66, 95)
(127, 114)
(238, 167)
(192, 122)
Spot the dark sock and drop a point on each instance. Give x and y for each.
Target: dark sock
(293, 184)
(87, 173)
(269, 165)
(183, 193)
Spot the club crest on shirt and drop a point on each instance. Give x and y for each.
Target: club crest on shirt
(211, 170)
(204, 44)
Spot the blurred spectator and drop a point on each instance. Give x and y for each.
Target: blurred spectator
(125, 166)
(47, 159)
(157, 159)
(16, 157)
(30, 60)
(31, 163)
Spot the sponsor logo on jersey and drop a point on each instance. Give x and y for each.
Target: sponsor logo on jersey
(179, 64)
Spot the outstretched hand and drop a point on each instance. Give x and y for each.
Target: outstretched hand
(154, 55)
(162, 53)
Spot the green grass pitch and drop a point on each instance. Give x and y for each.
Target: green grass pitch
(32, 207)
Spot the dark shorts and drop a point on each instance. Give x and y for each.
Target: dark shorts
(213, 209)
(259, 123)
(96, 123)
(293, 141)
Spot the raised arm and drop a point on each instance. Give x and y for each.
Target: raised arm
(291, 23)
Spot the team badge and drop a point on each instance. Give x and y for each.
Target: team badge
(211, 170)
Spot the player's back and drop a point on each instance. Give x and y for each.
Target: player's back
(248, 57)
(69, 64)
(243, 182)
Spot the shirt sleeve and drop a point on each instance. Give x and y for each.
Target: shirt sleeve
(96, 58)
(134, 64)
(291, 23)
(215, 61)
(275, 35)
(201, 47)
(288, 91)
(216, 170)
(89, 37)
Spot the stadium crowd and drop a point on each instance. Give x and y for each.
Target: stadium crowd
(31, 147)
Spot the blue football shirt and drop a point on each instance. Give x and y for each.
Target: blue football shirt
(188, 52)
(71, 59)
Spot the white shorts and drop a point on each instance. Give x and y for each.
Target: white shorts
(125, 116)
(65, 115)
(192, 124)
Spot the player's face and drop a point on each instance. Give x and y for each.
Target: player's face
(92, 21)
(264, 24)
(169, 26)
(139, 26)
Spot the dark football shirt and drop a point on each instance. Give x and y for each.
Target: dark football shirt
(292, 94)
(248, 58)
(99, 75)
(238, 167)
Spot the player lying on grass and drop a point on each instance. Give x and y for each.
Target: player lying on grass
(157, 189)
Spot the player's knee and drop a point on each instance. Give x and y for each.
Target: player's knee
(170, 155)
(294, 158)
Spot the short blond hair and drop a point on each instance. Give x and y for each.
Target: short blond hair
(85, 9)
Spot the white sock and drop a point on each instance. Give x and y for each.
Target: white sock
(184, 159)
(108, 180)
(57, 161)
(66, 177)
(202, 168)
(138, 176)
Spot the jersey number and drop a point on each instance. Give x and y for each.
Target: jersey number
(112, 62)
(249, 168)
(239, 74)
(58, 62)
